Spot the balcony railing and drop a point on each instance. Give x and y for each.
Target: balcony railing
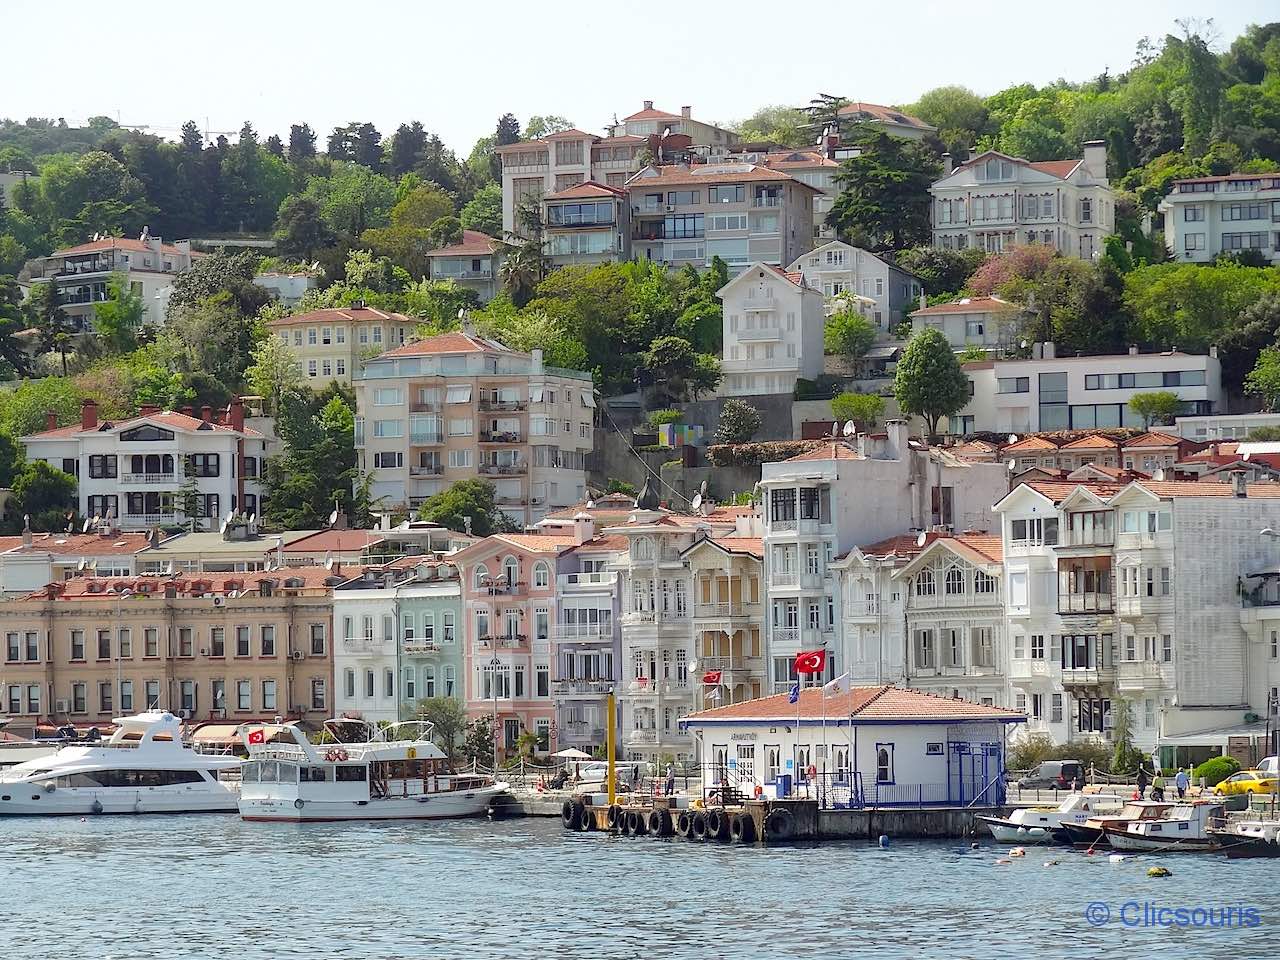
(1084, 603)
(768, 333)
(584, 631)
(591, 578)
(503, 406)
(362, 644)
(643, 736)
(425, 406)
(172, 477)
(510, 641)
(500, 436)
(862, 608)
(584, 685)
(504, 588)
(419, 645)
(426, 470)
(503, 469)
(786, 634)
(422, 438)
(1139, 672)
(1087, 676)
(718, 610)
(766, 201)
(148, 519)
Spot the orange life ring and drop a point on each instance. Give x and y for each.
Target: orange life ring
(335, 755)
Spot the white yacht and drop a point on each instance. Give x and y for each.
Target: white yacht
(1188, 826)
(1041, 822)
(144, 767)
(363, 772)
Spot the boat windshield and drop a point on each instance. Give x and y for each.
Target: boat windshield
(415, 730)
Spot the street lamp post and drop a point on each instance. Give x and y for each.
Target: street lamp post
(494, 664)
(120, 597)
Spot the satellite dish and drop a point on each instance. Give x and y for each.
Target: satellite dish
(590, 504)
(253, 518)
(88, 522)
(222, 527)
(328, 563)
(1013, 465)
(850, 428)
(333, 517)
(702, 489)
(1245, 458)
(920, 538)
(1013, 438)
(697, 501)
(168, 569)
(81, 565)
(835, 429)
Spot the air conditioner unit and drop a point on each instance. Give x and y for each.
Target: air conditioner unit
(62, 706)
(670, 208)
(219, 601)
(184, 714)
(204, 651)
(298, 655)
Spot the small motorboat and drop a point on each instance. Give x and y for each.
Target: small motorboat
(1186, 828)
(1032, 823)
(1241, 839)
(1091, 832)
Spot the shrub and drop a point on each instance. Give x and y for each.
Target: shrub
(1215, 770)
(660, 417)
(1029, 751)
(754, 454)
(739, 422)
(862, 408)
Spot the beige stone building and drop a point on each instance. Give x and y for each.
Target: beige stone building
(454, 406)
(330, 344)
(244, 647)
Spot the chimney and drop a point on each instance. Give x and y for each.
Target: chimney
(148, 409)
(237, 414)
(584, 528)
(89, 414)
(948, 165)
(1133, 349)
(189, 410)
(1213, 351)
(537, 359)
(50, 420)
(924, 299)
(206, 413)
(26, 530)
(1049, 353)
(896, 441)
(648, 104)
(52, 591)
(686, 112)
(1238, 485)
(1095, 159)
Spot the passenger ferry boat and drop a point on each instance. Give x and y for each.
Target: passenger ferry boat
(1091, 832)
(1038, 822)
(144, 767)
(1185, 828)
(365, 773)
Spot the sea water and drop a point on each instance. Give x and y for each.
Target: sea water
(214, 886)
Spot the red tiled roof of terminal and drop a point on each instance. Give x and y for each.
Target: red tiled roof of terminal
(860, 703)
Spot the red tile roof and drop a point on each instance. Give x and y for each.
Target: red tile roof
(651, 114)
(1154, 438)
(117, 243)
(828, 450)
(1029, 443)
(166, 418)
(901, 545)
(967, 305)
(342, 315)
(1059, 490)
(798, 159)
(887, 114)
(335, 541)
(78, 544)
(452, 342)
(613, 543)
(883, 703)
(1094, 441)
(107, 588)
(989, 546)
(1201, 488)
(536, 543)
(473, 243)
(586, 189)
(711, 173)
(752, 546)
(571, 134)
(1056, 168)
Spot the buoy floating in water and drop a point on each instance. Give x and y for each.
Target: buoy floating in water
(1051, 863)
(1117, 858)
(973, 846)
(1159, 872)
(1002, 861)
(884, 841)
(1018, 852)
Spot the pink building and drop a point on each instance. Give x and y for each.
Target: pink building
(509, 608)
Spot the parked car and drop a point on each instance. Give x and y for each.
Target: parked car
(1268, 766)
(1053, 774)
(1246, 782)
(597, 771)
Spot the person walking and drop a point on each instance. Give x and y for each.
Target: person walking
(669, 787)
(1181, 782)
(1142, 781)
(1157, 787)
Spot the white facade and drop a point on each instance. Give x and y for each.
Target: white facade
(986, 322)
(134, 470)
(287, 288)
(773, 329)
(1224, 426)
(994, 202)
(837, 268)
(1212, 215)
(1082, 393)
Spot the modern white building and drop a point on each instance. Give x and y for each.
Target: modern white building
(136, 470)
(1048, 392)
(822, 504)
(836, 268)
(773, 330)
(1206, 216)
(985, 322)
(994, 201)
(1224, 426)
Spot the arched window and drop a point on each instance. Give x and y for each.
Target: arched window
(884, 763)
(955, 581)
(511, 571)
(642, 549)
(541, 575)
(924, 583)
(984, 583)
(479, 576)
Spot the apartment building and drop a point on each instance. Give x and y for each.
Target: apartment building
(398, 639)
(813, 167)
(994, 202)
(985, 322)
(1048, 392)
(822, 504)
(471, 263)
(1141, 592)
(330, 344)
(954, 608)
(1206, 216)
(727, 574)
(839, 269)
(136, 470)
(742, 213)
(872, 607)
(248, 648)
(773, 331)
(83, 272)
(587, 223)
(453, 406)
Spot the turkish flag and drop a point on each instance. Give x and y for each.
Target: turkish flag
(811, 661)
(711, 676)
(257, 736)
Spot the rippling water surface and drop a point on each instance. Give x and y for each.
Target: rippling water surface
(213, 886)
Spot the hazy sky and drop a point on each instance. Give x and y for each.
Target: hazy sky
(458, 66)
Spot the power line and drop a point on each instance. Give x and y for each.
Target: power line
(648, 469)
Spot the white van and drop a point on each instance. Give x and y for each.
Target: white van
(1268, 766)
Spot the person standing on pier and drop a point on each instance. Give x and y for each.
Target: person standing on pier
(1142, 781)
(1182, 781)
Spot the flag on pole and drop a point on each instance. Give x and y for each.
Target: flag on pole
(811, 661)
(712, 677)
(714, 695)
(257, 736)
(839, 685)
(794, 695)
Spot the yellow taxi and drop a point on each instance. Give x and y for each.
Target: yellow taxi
(1246, 781)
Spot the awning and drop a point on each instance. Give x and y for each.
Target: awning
(588, 399)
(1216, 737)
(887, 352)
(458, 394)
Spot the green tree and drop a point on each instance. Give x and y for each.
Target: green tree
(445, 232)
(14, 317)
(447, 718)
(785, 126)
(1264, 434)
(531, 329)
(941, 271)
(483, 212)
(302, 143)
(301, 233)
(10, 459)
(210, 337)
(478, 744)
(1156, 406)
(959, 114)
(222, 273)
(471, 499)
(118, 319)
(353, 199)
(739, 422)
(539, 127)
(1263, 380)
(44, 493)
(678, 371)
(274, 371)
(864, 409)
(1189, 305)
(884, 193)
(23, 410)
(1036, 132)
(12, 254)
(848, 333)
(929, 382)
(423, 206)
(55, 329)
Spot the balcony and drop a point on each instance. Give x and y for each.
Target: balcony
(426, 470)
(726, 611)
(643, 736)
(511, 500)
(584, 632)
(638, 616)
(1030, 669)
(503, 406)
(504, 588)
(861, 609)
(1138, 675)
(503, 469)
(417, 645)
(510, 641)
(793, 579)
(1083, 603)
(786, 635)
(165, 479)
(586, 685)
(765, 201)
(761, 363)
(590, 579)
(581, 731)
(362, 645)
(500, 436)
(426, 406)
(135, 520)
(1087, 676)
(425, 438)
(768, 333)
